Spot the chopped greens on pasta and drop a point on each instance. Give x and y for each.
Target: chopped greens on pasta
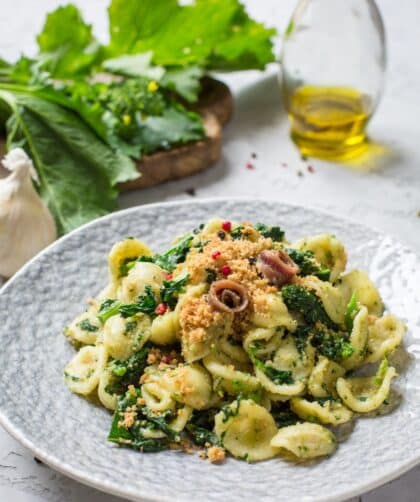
(234, 340)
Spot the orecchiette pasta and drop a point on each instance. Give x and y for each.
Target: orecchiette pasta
(326, 412)
(236, 341)
(323, 379)
(385, 335)
(123, 251)
(83, 372)
(365, 394)
(245, 430)
(357, 282)
(123, 336)
(305, 440)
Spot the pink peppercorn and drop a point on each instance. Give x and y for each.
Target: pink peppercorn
(216, 255)
(227, 226)
(169, 277)
(226, 270)
(161, 309)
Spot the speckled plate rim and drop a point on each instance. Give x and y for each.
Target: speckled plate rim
(138, 495)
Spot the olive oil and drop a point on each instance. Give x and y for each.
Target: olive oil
(329, 122)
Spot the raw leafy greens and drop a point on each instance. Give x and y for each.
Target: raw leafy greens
(84, 110)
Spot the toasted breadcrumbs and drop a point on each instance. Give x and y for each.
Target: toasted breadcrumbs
(199, 320)
(215, 454)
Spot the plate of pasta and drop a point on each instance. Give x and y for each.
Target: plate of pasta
(219, 346)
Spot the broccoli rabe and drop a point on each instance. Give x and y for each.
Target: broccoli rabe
(279, 377)
(127, 372)
(170, 290)
(201, 426)
(283, 415)
(331, 345)
(351, 311)
(167, 260)
(299, 299)
(308, 264)
(133, 433)
(145, 304)
(274, 233)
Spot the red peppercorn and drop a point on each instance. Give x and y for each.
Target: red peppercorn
(161, 309)
(226, 270)
(169, 277)
(216, 255)
(166, 359)
(227, 226)
(250, 166)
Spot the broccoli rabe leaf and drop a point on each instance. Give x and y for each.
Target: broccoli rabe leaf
(301, 336)
(134, 65)
(308, 264)
(175, 254)
(201, 436)
(133, 436)
(283, 415)
(184, 80)
(86, 325)
(279, 377)
(331, 345)
(127, 372)
(351, 311)
(77, 171)
(274, 233)
(66, 43)
(170, 290)
(145, 304)
(299, 299)
(173, 127)
(177, 35)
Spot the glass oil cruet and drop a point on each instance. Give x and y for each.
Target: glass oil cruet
(333, 68)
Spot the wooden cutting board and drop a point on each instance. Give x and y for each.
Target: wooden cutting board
(215, 105)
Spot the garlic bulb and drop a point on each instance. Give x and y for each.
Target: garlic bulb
(26, 224)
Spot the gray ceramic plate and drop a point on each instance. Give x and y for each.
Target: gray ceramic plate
(69, 434)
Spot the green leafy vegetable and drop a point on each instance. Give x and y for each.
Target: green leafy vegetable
(135, 65)
(175, 254)
(308, 264)
(300, 300)
(184, 80)
(279, 377)
(145, 304)
(237, 232)
(231, 409)
(331, 345)
(274, 233)
(66, 43)
(127, 372)
(301, 336)
(133, 436)
(177, 35)
(351, 311)
(175, 126)
(283, 415)
(69, 157)
(211, 275)
(380, 374)
(82, 127)
(170, 290)
(86, 325)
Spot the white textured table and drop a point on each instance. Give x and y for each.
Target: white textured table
(386, 196)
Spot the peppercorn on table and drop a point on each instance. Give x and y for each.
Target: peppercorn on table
(259, 159)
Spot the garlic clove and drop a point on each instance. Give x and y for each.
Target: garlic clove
(26, 224)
